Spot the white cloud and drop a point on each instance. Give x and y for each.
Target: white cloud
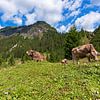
(75, 13)
(24, 6)
(74, 9)
(31, 18)
(88, 22)
(73, 4)
(95, 2)
(76, 4)
(62, 28)
(10, 17)
(17, 21)
(7, 6)
(69, 27)
(48, 10)
(1, 27)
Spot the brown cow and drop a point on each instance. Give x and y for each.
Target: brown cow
(87, 50)
(37, 56)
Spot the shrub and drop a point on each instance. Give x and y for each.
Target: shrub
(1, 60)
(11, 60)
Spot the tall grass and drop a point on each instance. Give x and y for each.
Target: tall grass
(50, 81)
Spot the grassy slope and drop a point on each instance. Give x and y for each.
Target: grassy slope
(48, 81)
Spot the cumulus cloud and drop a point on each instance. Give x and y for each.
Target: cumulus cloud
(64, 28)
(75, 13)
(7, 6)
(34, 10)
(74, 9)
(1, 27)
(48, 10)
(76, 4)
(96, 2)
(88, 22)
(73, 4)
(31, 18)
(51, 11)
(17, 21)
(69, 26)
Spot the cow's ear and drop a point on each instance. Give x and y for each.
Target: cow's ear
(31, 51)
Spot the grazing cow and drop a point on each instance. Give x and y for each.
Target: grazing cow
(64, 61)
(37, 56)
(87, 50)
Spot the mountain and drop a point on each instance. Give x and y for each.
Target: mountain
(39, 36)
(36, 29)
(45, 39)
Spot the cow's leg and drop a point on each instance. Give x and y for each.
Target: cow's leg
(77, 61)
(98, 54)
(96, 58)
(89, 56)
(89, 59)
(73, 58)
(94, 55)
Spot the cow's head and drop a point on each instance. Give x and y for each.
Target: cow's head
(30, 52)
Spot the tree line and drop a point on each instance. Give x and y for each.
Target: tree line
(54, 45)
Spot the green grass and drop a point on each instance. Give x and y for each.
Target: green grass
(50, 81)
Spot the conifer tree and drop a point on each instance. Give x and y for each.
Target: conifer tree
(73, 39)
(96, 39)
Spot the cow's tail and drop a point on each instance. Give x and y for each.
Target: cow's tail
(98, 53)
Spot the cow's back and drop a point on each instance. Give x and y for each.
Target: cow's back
(82, 49)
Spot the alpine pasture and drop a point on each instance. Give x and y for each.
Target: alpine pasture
(50, 81)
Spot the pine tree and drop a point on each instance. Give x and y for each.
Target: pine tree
(96, 39)
(73, 39)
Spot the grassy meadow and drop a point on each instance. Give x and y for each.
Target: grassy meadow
(50, 81)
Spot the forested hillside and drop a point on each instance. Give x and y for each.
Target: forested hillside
(96, 39)
(44, 38)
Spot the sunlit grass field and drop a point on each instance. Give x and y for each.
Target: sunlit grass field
(50, 81)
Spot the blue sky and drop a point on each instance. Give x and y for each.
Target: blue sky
(62, 14)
